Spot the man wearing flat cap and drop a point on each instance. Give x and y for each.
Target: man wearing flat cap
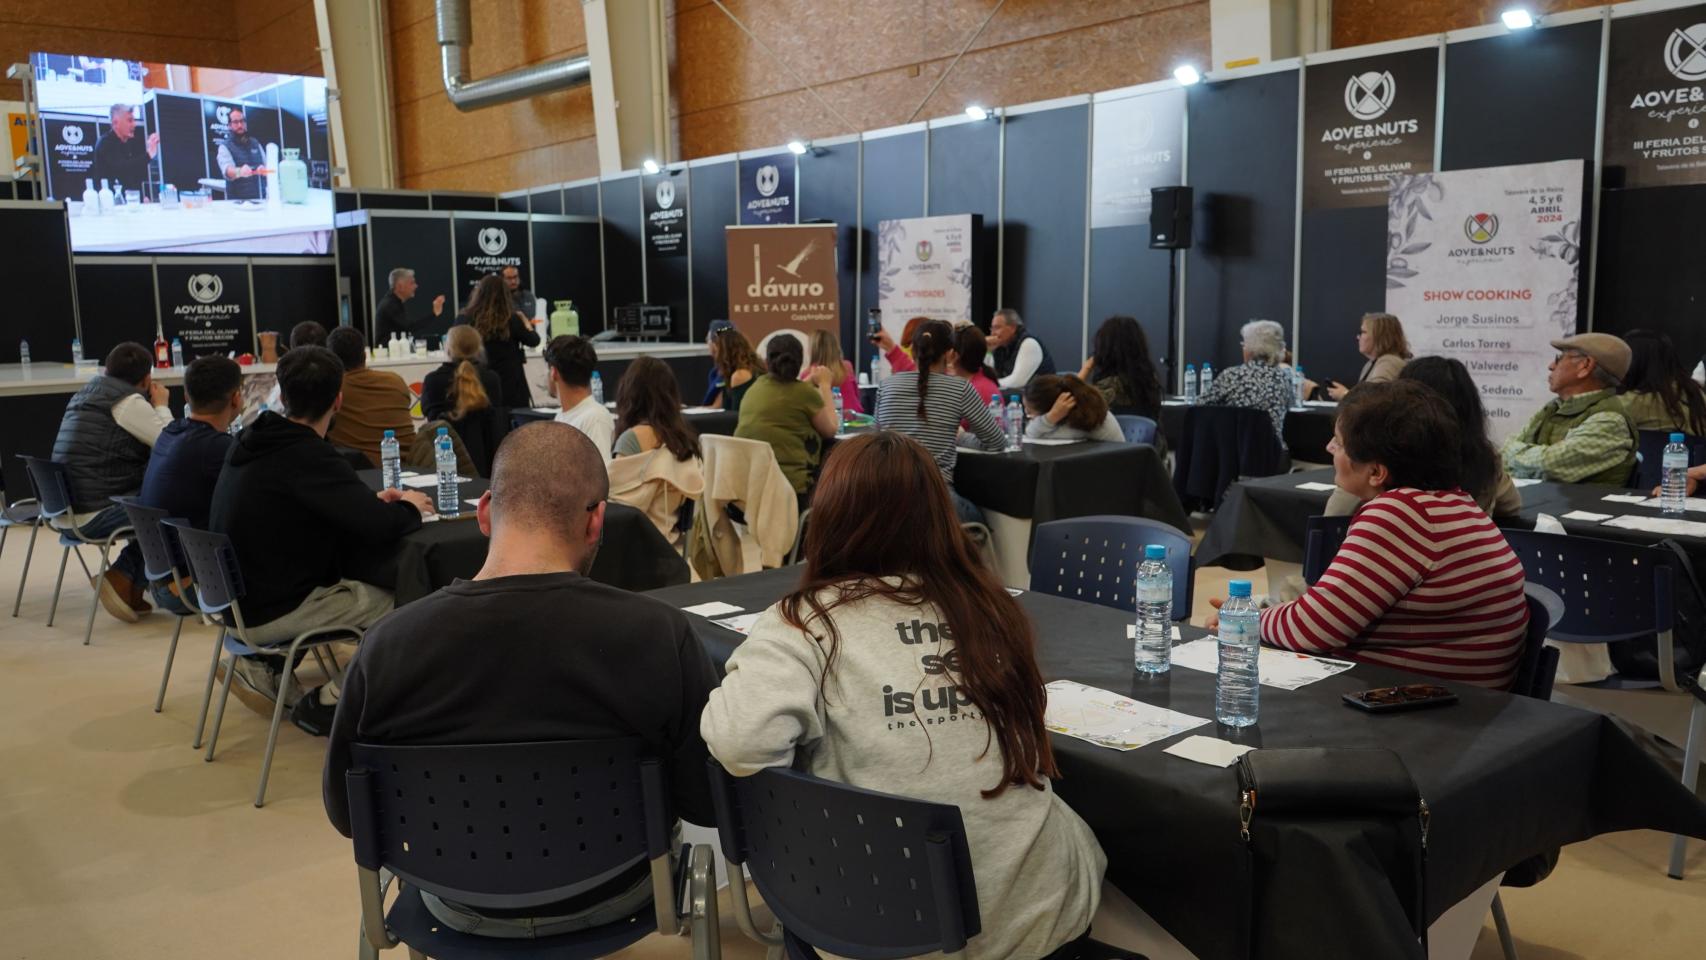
(1584, 436)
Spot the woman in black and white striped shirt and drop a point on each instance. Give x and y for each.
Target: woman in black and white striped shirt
(928, 404)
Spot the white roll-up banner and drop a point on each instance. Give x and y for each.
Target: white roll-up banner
(924, 269)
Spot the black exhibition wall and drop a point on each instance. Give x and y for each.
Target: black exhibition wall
(711, 207)
(893, 178)
(565, 263)
(965, 177)
(1048, 177)
(115, 298)
(34, 246)
(581, 199)
(1650, 275)
(624, 281)
(1242, 158)
(829, 190)
(666, 248)
(289, 290)
(546, 201)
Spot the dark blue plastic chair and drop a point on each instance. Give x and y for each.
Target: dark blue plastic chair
(218, 588)
(1094, 559)
(162, 559)
(512, 827)
(25, 512)
(1322, 538)
(1650, 453)
(1136, 429)
(52, 484)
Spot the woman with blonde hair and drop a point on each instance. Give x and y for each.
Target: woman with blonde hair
(505, 334)
(464, 393)
(826, 353)
(1381, 341)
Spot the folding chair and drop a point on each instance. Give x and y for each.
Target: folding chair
(1094, 559)
(162, 559)
(18, 513)
(1321, 540)
(218, 588)
(53, 487)
(515, 826)
(1136, 429)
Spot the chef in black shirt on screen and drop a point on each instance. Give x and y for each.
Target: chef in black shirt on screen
(121, 156)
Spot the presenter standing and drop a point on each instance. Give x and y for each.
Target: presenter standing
(389, 317)
(120, 156)
(242, 159)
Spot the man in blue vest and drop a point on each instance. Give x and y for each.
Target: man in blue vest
(241, 159)
(1014, 354)
(104, 441)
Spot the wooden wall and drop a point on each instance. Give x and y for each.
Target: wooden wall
(1357, 22)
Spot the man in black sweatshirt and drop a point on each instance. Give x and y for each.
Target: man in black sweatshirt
(292, 507)
(531, 650)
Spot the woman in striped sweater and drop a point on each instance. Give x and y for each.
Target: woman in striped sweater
(1424, 581)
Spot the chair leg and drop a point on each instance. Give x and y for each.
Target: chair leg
(52, 611)
(1691, 761)
(1504, 928)
(704, 926)
(285, 682)
(29, 551)
(219, 714)
(207, 694)
(82, 563)
(95, 599)
(171, 654)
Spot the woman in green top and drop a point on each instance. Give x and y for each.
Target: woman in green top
(737, 367)
(794, 416)
(1657, 391)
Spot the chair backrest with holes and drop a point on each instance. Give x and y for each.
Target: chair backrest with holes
(1094, 559)
(511, 825)
(1539, 664)
(1136, 429)
(157, 558)
(1321, 541)
(52, 483)
(213, 565)
(1611, 591)
(853, 872)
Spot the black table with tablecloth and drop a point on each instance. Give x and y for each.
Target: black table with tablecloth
(1506, 778)
(1043, 482)
(633, 555)
(1307, 430)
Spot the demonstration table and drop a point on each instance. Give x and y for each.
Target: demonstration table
(1307, 430)
(633, 556)
(1506, 778)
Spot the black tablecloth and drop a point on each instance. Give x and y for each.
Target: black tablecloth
(633, 556)
(1307, 431)
(1506, 778)
(1049, 482)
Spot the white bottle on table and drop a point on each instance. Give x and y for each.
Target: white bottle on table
(1207, 380)
(391, 461)
(1237, 691)
(1190, 383)
(449, 490)
(1673, 491)
(1153, 587)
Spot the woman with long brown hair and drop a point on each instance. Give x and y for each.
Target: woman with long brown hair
(648, 409)
(902, 665)
(1067, 408)
(463, 392)
(737, 366)
(505, 334)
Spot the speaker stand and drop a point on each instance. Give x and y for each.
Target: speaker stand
(1173, 346)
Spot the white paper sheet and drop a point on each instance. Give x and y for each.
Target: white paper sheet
(1664, 525)
(692, 410)
(1587, 516)
(1695, 504)
(426, 480)
(1050, 441)
(740, 624)
(1320, 403)
(1313, 485)
(1525, 482)
(1280, 669)
(1625, 498)
(1014, 591)
(714, 608)
(1109, 720)
(1210, 750)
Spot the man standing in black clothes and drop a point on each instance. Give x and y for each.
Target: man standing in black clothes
(242, 159)
(531, 650)
(389, 317)
(120, 156)
(525, 302)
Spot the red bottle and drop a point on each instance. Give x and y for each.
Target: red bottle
(162, 350)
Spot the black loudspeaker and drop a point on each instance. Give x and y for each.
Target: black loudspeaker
(1170, 218)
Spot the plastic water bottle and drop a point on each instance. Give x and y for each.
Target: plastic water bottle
(24, 352)
(1235, 684)
(177, 352)
(840, 409)
(391, 461)
(876, 369)
(1297, 386)
(1673, 497)
(1154, 589)
(1190, 383)
(1014, 415)
(76, 352)
(995, 411)
(597, 388)
(449, 491)
(1207, 380)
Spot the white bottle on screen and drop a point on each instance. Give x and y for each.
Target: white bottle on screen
(1207, 380)
(273, 200)
(106, 198)
(91, 199)
(1153, 586)
(1673, 494)
(391, 461)
(449, 490)
(1237, 694)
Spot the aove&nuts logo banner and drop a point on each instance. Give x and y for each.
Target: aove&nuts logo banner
(1655, 101)
(1366, 121)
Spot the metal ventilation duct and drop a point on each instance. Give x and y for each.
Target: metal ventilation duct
(455, 35)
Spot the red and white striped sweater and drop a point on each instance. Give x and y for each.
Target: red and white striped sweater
(1424, 582)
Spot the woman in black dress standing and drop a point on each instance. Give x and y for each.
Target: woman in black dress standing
(505, 334)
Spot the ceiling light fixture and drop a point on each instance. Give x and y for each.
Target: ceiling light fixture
(1186, 74)
(977, 113)
(650, 166)
(797, 147)
(1517, 19)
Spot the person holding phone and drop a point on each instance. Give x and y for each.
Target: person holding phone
(1424, 581)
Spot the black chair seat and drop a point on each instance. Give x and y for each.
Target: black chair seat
(797, 949)
(411, 921)
(19, 514)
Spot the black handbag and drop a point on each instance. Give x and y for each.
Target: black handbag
(1311, 821)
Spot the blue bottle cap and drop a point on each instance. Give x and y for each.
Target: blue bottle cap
(390, 434)
(1155, 551)
(1676, 438)
(1238, 588)
(443, 431)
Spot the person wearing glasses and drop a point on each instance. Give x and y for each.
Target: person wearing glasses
(531, 650)
(1586, 434)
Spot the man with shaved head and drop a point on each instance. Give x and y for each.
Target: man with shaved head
(531, 650)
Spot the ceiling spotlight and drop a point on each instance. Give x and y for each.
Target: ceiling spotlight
(1517, 19)
(1186, 74)
(650, 166)
(796, 147)
(977, 113)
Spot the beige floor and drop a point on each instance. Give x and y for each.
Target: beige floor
(117, 841)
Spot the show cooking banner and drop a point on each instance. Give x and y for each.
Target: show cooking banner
(1483, 265)
(767, 189)
(783, 278)
(207, 305)
(924, 269)
(665, 198)
(1137, 143)
(1364, 122)
(486, 243)
(1655, 100)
